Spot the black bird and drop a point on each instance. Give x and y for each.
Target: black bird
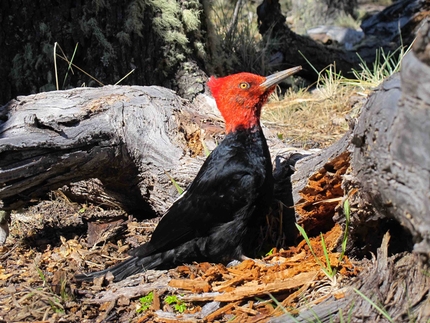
(217, 217)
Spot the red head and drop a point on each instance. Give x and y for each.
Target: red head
(239, 97)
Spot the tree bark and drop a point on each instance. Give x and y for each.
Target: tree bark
(391, 158)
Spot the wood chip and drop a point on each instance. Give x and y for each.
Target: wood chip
(249, 275)
(194, 285)
(247, 291)
(220, 311)
(156, 304)
(246, 309)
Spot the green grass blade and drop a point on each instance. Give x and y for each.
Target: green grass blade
(175, 184)
(347, 212)
(310, 64)
(327, 258)
(350, 312)
(308, 242)
(305, 236)
(341, 319)
(278, 304)
(41, 274)
(379, 309)
(206, 150)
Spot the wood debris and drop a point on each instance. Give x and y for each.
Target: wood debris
(204, 292)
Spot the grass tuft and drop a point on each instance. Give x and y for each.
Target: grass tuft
(346, 211)
(385, 65)
(326, 268)
(316, 117)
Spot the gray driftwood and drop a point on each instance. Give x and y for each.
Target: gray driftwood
(129, 137)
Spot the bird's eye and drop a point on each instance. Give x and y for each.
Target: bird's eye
(244, 85)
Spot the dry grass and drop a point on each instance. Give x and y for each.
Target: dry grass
(317, 118)
(237, 45)
(312, 119)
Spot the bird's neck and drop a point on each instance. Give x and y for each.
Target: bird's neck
(251, 125)
(242, 118)
(247, 136)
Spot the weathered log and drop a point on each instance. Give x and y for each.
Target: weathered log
(400, 19)
(387, 184)
(113, 133)
(391, 159)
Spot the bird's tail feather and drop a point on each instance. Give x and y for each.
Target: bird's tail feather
(128, 267)
(120, 271)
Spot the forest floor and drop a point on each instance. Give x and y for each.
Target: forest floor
(48, 245)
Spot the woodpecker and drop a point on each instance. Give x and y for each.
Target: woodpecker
(217, 217)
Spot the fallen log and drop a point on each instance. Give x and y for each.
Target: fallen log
(389, 30)
(128, 137)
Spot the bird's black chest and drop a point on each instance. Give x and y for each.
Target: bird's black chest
(246, 150)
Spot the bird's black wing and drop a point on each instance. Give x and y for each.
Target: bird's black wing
(228, 180)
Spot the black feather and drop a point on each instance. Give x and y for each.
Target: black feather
(217, 217)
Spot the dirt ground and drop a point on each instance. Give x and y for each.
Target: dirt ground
(48, 244)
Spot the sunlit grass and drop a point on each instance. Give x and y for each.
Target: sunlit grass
(317, 117)
(310, 119)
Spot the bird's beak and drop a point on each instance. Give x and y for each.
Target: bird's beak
(278, 77)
